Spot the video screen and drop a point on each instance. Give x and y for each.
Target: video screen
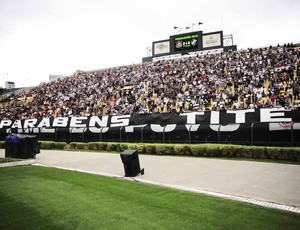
(212, 40)
(162, 47)
(186, 42)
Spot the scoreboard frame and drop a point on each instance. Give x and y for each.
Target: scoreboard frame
(186, 43)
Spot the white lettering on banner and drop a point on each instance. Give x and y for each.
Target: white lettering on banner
(77, 130)
(47, 130)
(60, 122)
(117, 121)
(215, 121)
(31, 130)
(29, 123)
(96, 120)
(161, 129)
(45, 122)
(191, 117)
(266, 115)
(240, 115)
(192, 128)
(98, 130)
(130, 129)
(191, 120)
(17, 124)
(5, 123)
(45, 126)
(215, 117)
(225, 128)
(76, 122)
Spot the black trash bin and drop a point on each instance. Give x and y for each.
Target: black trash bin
(21, 146)
(130, 159)
(12, 146)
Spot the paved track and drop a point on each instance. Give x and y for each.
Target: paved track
(265, 182)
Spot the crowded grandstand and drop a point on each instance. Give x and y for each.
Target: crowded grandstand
(253, 78)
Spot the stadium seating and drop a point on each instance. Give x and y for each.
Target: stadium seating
(252, 78)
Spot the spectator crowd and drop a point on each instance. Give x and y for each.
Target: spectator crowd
(252, 78)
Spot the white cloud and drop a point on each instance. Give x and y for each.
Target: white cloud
(39, 38)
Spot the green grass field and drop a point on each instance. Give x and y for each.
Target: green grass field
(34, 197)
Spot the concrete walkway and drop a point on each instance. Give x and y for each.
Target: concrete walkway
(268, 184)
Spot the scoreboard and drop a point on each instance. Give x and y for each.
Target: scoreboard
(187, 42)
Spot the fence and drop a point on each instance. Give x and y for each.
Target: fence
(270, 134)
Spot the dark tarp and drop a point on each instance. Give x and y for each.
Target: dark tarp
(21, 146)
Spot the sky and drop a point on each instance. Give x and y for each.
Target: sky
(43, 37)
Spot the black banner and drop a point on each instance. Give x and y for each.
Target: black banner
(162, 119)
(203, 126)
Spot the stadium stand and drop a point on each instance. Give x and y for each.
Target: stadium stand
(252, 78)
